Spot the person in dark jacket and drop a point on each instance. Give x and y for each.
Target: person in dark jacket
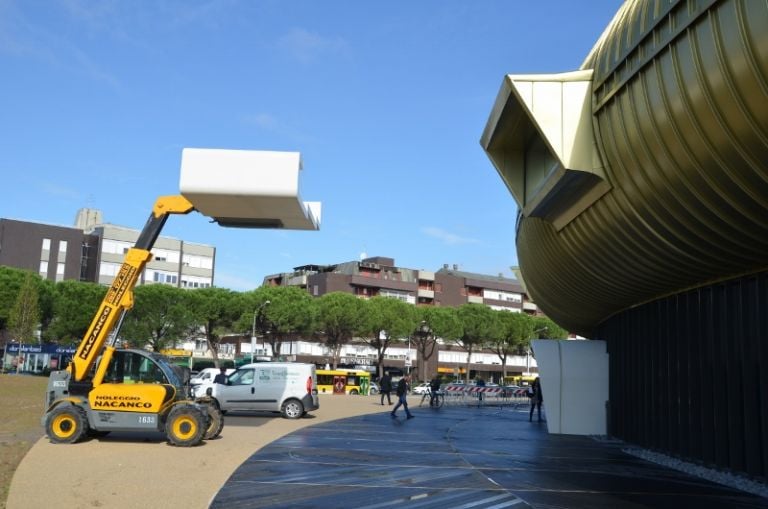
(385, 385)
(402, 397)
(479, 383)
(537, 398)
(434, 388)
(221, 377)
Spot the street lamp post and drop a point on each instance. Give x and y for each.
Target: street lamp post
(424, 332)
(408, 357)
(256, 312)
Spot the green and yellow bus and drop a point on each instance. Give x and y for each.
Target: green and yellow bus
(343, 381)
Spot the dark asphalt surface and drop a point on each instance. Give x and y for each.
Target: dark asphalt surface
(460, 457)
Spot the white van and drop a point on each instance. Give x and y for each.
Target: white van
(286, 387)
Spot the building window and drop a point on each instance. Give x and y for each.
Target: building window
(503, 296)
(197, 262)
(43, 267)
(59, 271)
(62, 246)
(109, 269)
(46, 244)
(115, 246)
(166, 255)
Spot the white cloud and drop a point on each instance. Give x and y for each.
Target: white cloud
(306, 46)
(60, 191)
(447, 237)
(263, 120)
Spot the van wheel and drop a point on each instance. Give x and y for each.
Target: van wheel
(292, 409)
(354, 392)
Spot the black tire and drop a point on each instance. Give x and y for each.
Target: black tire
(373, 392)
(185, 426)
(215, 423)
(353, 392)
(292, 409)
(66, 424)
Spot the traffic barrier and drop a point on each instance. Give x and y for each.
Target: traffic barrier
(478, 390)
(493, 395)
(480, 394)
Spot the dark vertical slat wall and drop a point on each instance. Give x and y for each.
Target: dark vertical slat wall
(689, 375)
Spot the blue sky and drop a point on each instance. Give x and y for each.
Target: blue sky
(386, 102)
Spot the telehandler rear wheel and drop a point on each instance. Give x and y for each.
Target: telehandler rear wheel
(215, 424)
(66, 424)
(185, 426)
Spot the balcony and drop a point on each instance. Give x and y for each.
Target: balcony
(429, 294)
(426, 275)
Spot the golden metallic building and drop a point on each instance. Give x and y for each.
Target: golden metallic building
(642, 184)
(645, 172)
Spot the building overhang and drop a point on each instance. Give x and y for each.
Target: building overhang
(540, 139)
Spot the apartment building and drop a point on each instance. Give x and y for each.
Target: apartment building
(55, 252)
(380, 276)
(93, 251)
(174, 261)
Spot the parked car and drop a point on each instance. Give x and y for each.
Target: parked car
(373, 388)
(508, 391)
(422, 388)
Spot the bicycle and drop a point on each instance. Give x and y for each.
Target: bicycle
(435, 402)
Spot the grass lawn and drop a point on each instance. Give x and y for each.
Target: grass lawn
(21, 406)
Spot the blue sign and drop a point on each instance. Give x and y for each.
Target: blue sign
(51, 348)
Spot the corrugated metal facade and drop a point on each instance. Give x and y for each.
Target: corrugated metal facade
(669, 266)
(680, 110)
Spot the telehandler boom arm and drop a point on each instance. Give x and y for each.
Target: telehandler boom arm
(119, 298)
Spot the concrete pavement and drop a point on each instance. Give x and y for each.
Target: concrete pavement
(352, 454)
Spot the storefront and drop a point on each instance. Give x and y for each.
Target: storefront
(36, 358)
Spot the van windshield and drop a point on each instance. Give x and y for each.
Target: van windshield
(241, 377)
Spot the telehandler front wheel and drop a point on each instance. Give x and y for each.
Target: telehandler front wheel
(215, 423)
(66, 424)
(185, 426)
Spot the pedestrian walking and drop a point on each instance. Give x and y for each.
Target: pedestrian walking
(402, 397)
(386, 387)
(537, 398)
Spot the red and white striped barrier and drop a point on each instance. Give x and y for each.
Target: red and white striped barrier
(484, 390)
(472, 389)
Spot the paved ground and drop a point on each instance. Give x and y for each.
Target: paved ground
(126, 471)
(459, 457)
(452, 457)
